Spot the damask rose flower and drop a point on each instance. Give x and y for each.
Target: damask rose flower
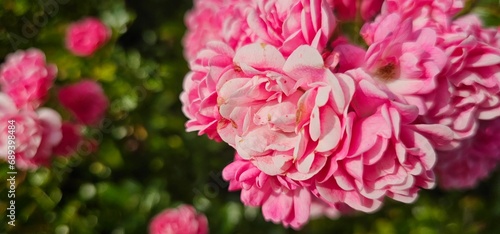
(286, 115)
(338, 136)
(85, 100)
(215, 20)
(182, 219)
(26, 77)
(84, 37)
(37, 133)
(348, 9)
(473, 161)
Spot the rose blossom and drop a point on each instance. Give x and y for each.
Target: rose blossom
(349, 143)
(37, 133)
(284, 115)
(85, 100)
(84, 37)
(182, 219)
(26, 77)
(477, 157)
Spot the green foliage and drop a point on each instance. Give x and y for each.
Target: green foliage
(146, 162)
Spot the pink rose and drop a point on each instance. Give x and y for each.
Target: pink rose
(85, 100)
(26, 77)
(84, 37)
(71, 138)
(37, 133)
(284, 115)
(182, 219)
(476, 158)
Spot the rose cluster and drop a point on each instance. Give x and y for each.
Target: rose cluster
(26, 80)
(323, 123)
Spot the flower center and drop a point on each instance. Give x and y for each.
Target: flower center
(387, 72)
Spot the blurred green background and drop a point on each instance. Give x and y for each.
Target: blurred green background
(147, 162)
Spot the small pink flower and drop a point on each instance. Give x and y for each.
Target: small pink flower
(182, 219)
(71, 138)
(473, 161)
(84, 37)
(37, 133)
(26, 77)
(85, 100)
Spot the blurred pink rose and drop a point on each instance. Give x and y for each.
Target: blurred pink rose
(37, 133)
(84, 37)
(182, 219)
(476, 158)
(26, 77)
(85, 100)
(71, 138)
